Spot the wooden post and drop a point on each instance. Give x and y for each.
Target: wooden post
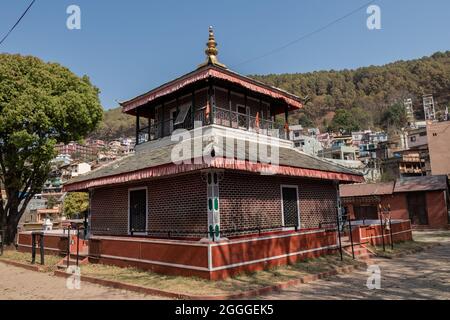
(210, 100)
(193, 109)
(162, 119)
(286, 123)
(247, 116)
(137, 126)
(230, 107)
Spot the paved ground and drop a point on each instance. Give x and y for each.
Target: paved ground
(17, 283)
(425, 275)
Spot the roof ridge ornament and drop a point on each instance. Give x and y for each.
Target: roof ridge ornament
(211, 51)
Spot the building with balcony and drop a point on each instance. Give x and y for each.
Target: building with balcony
(215, 186)
(306, 143)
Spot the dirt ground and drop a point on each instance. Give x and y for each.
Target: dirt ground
(20, 284)
(425, 275)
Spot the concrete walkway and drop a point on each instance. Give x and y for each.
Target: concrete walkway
(17, 283)
(425, 275)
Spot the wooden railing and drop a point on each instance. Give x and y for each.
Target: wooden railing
(219, 116)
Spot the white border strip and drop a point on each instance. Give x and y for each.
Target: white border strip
(154, 262)
(267, 237)
(386, 234)
(210, 267)
(272, 258)
(174, 242)
(199, 244)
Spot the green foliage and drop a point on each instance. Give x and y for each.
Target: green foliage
(116, 124)
(349, 120)
(51, 202)
(76, 203)
(41, 104)
(305, 121)
(394, 117)
(387, 176)
(371, 88)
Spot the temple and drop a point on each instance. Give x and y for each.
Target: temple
(215, 187)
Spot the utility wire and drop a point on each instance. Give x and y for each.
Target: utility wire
(17, 22)
(306, 35)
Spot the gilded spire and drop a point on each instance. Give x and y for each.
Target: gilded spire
(211, 51)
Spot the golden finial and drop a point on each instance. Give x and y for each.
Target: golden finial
(211, 51)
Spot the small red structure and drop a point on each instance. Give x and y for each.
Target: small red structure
(215, 187)
(423, 200)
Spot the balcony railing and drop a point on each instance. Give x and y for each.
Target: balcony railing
(219, 116)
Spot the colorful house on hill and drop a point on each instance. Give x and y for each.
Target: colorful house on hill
(215, 187)
(423, 200)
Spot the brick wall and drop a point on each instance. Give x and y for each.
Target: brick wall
(246, 201)
(251, 201)
(178, 203)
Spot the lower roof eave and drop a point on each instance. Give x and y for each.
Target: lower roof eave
(218, 163)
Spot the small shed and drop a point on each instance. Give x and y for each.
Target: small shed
(423, 200)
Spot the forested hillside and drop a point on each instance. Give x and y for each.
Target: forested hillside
(365, 95)
(372, 89)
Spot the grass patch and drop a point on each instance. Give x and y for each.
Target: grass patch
(25, 258)
(197, 286)
(400, 248)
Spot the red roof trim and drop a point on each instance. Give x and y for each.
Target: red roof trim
(177, 84)
(219, 163)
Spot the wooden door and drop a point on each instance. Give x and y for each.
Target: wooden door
(417, 208)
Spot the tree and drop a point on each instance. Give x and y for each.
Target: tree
(349, 120)
(41, 104)
(51, 202)
(76, 203)
(369, 87)
(394, 117)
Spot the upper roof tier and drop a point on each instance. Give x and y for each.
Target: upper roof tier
(212, 69)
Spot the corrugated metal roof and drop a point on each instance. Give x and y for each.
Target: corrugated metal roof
(409, 184)
(426, 183)
(214, 72)
(157, 157)
(366, 189)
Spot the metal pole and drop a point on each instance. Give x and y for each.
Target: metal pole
(78, 243)
(390, 227)
(2, 237)
(390, 231)
(339, 232)
(351, 237)
(42, 247)
(382, 230)
(33, 248)
(68, 247)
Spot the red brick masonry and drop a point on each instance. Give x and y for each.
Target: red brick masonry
(211, 260)
(54, 243)
(401, 231)
(219, 260)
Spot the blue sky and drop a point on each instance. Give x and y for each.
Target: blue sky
(129, 47)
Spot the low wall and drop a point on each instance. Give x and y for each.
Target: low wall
(211, 260)
(54, 243)
(372, 233)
